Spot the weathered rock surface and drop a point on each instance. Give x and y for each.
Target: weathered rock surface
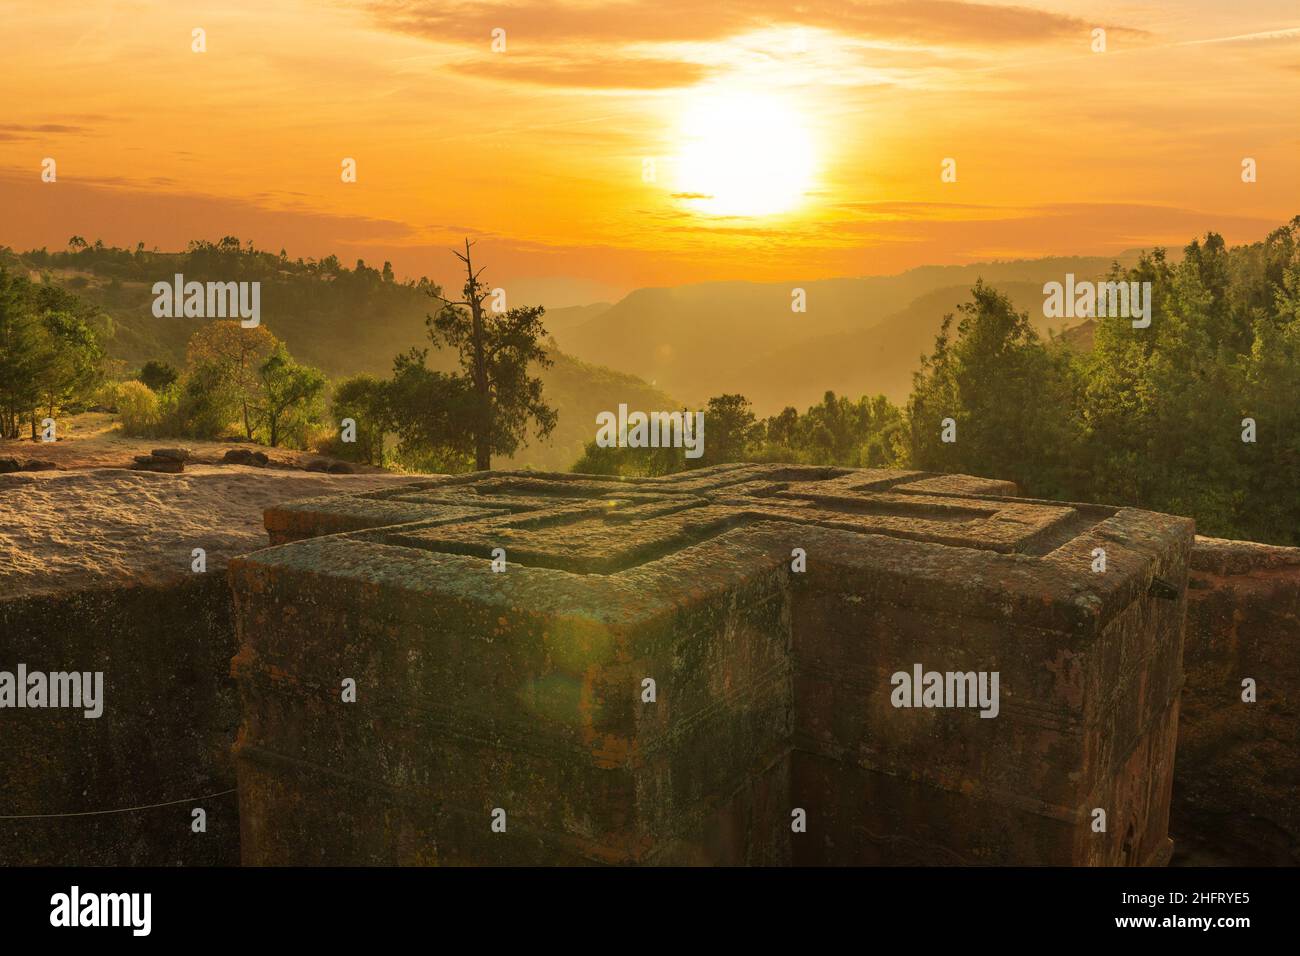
(334, 467)
(524, 690)
(95, 575)
(1237, 778)
(243, 456)
(10, 465)
(159, 464)
(112, 527)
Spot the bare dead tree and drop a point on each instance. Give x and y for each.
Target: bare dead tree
(475, 293)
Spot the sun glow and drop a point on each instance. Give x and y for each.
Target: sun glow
(744, 154)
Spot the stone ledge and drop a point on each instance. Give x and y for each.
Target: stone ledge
(688, 580)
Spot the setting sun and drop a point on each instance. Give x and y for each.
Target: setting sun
(744, 154)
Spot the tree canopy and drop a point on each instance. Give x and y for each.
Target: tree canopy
(1196, 414)
(50, 356)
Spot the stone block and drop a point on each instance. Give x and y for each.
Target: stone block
(169, 710)
(96, 577)
(173, 454)
(1238, 769)
(522, 690)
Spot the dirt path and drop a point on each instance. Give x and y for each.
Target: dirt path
(94, 440)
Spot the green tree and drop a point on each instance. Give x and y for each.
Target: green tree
(18, 338)
(1010, 398)
(836, 431)
(780, 430)
(68, 362)
(49, 355)
(22, 344)
(729, 428)
(157, 375)
(1162, 405)
(235, 355)
(364, 399)
(138, 408)
(883, 444)
(495, 352)
(201, 404)
(288, 398)
(629, 462)
(431, 413)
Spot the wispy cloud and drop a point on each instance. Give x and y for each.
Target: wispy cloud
(13, 132)
(531, 21)
(1290, 33)
(652, 44)
(610, 73)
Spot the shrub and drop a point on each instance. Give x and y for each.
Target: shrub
(137, 407)
(157, 375)
(364, 399)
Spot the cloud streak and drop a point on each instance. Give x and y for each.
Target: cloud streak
(923, 22)
(648, 45)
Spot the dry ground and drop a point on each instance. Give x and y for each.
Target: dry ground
(94, 523)
(93, 440)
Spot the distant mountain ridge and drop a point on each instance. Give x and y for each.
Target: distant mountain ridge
(857, 336)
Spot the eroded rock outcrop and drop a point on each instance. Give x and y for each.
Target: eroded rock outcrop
(481, 690)
(97, 576)
(1237, 779)
(687, 669)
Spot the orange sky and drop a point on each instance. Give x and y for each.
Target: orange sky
(539, 151)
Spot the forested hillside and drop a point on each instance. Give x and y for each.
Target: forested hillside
(341, 320)
(1197, 413)
(860, 335)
